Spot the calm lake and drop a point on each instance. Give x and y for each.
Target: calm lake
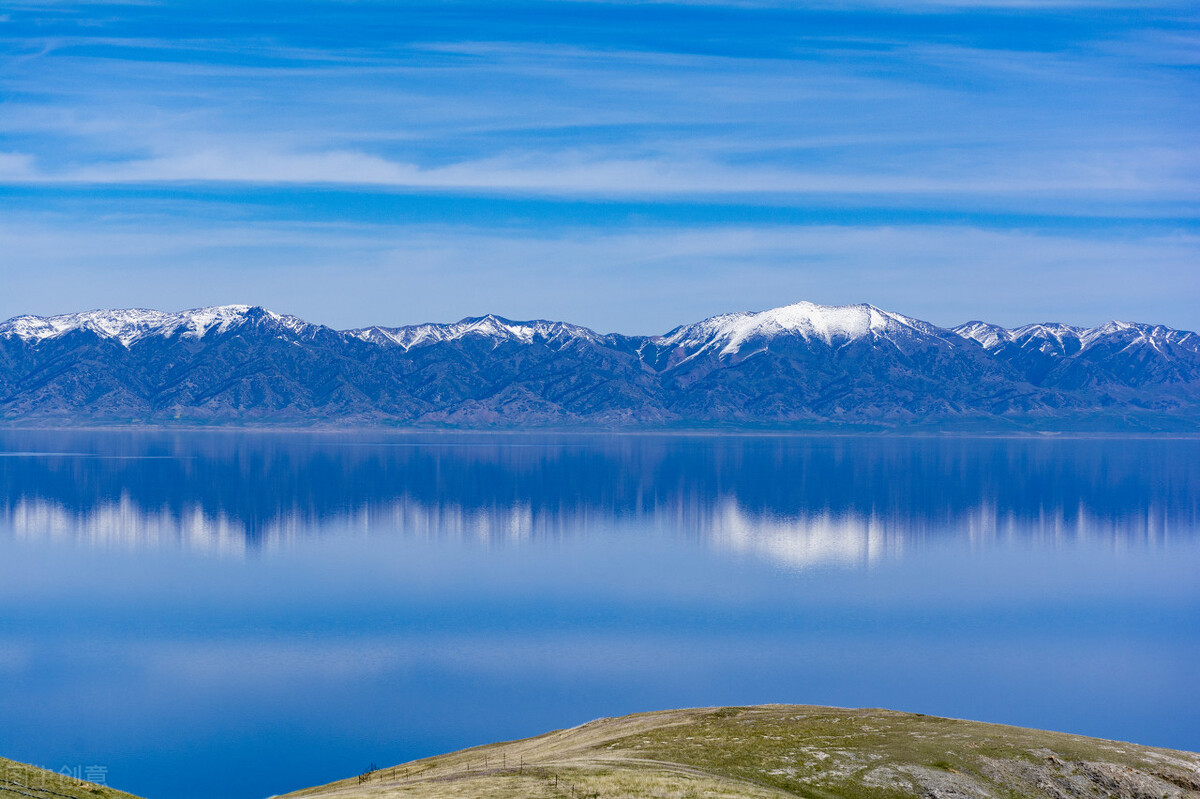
(230, 615)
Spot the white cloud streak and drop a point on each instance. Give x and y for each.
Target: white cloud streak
(1158, 174)
(1068, 120)
(894, 118)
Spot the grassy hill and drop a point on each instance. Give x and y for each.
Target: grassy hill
(786, 750)
(31, 782)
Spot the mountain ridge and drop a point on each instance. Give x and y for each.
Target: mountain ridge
(131, 324)
(800, 364)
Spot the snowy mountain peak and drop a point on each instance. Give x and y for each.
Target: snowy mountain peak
(994, 336)
(832, 324)
(491, 326)
(1049, 331)
(988, 335)
(1133, 335)
(124, 325)
(1055, 338)
(129, 325)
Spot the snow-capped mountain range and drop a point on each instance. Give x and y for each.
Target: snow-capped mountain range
(1067, 340)
(129, 325)
(798, 365)
(490, 327)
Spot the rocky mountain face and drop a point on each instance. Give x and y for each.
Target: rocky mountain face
(801, 365)
(1118, 361)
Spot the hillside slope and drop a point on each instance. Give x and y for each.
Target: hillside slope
(31, 782)
(787, 750)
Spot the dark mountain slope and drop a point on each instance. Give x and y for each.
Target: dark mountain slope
(802, 364)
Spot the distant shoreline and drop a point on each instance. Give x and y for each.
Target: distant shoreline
(582, 431)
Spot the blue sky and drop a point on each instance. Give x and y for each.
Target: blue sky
(628, 166)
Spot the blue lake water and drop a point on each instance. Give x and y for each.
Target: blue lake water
(238, 614)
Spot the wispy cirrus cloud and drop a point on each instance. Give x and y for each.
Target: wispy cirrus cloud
(1080, 111)
(571, 121)
(1164, 175)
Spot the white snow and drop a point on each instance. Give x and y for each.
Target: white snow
(493, 327)
(133, 324)
(725, 335)
(835, 325)
(987, 334)
(1054, 335)
(1157, 337)
(1048, 332)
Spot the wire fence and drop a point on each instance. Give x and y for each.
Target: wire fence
(488, 767)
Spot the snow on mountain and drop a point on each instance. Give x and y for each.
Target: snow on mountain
(811, 364)
(723, 335)
(834, 325)
(1055, 332)
(1054, 338)
(987, 334)
(490, 326)
(1159, 338)
(134, 324)
(123, 325)
(1051, 339)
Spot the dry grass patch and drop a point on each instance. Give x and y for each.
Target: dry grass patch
(30, 782)
(791, 750)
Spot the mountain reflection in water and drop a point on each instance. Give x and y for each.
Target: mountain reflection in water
(263, 611)
(792, 500)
